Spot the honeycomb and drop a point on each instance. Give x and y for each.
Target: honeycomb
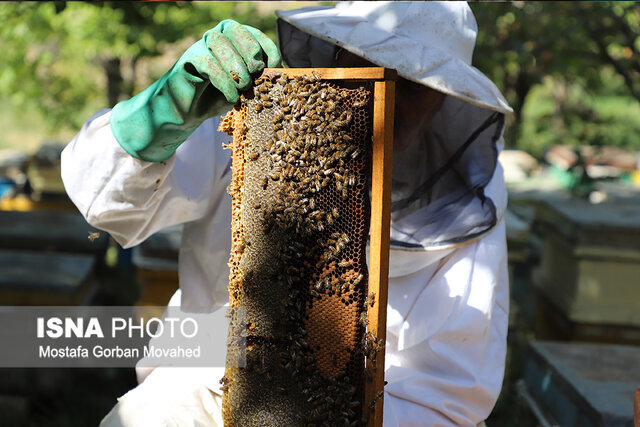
(300, 221)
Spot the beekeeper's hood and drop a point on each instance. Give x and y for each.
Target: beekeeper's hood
(438, 186)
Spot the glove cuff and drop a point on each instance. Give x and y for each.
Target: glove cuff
(145, 134)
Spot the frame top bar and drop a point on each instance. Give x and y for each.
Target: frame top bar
(356, 73)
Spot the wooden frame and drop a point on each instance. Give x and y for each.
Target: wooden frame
(383, 116)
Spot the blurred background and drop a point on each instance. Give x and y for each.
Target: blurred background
(570, 70)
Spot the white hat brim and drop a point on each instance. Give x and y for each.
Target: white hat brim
(429, 66)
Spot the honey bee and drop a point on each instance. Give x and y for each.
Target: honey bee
(328, 171)
(345, 264)
(264, 183)
(372, 404)
(278, 117)
(93, 235)
(371, 300)
(360, 104)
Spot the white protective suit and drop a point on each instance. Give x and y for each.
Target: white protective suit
(448, 298)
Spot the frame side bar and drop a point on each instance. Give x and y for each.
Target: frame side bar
(383, 111)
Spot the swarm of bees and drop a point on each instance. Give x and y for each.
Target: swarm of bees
(298, 263)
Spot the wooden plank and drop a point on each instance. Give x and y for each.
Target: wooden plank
(383, 109)
(361, 73)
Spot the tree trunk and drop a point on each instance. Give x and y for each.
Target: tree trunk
(114, 80)
(131, 84)
(521, 87)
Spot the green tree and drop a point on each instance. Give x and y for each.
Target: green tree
(590, 48)
(67, 59)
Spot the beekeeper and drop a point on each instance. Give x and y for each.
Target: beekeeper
(156, 160)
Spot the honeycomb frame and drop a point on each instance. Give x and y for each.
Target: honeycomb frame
(296, 261)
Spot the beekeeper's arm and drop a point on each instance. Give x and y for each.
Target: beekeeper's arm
(121, 171)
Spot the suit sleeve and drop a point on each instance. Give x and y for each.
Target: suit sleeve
(131, 199)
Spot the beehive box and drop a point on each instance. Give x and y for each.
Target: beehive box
(590, 261)
(157, 262)
(302, 156)
(31, 278)
(585, 385)
(50, 231)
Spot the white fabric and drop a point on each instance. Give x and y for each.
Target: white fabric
(169, 397)
(427, 42)
(132, 199)
(446, 314)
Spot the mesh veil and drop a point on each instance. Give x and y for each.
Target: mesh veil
(438, 196)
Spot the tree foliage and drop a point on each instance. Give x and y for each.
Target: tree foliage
(555, 61)
(67, 59)
(564, 49)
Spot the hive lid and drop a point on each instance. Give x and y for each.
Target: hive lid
(584, 384)
(35, 271)
(605, 225)
(52, 231)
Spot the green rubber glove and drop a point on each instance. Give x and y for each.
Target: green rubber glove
(203, 83)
